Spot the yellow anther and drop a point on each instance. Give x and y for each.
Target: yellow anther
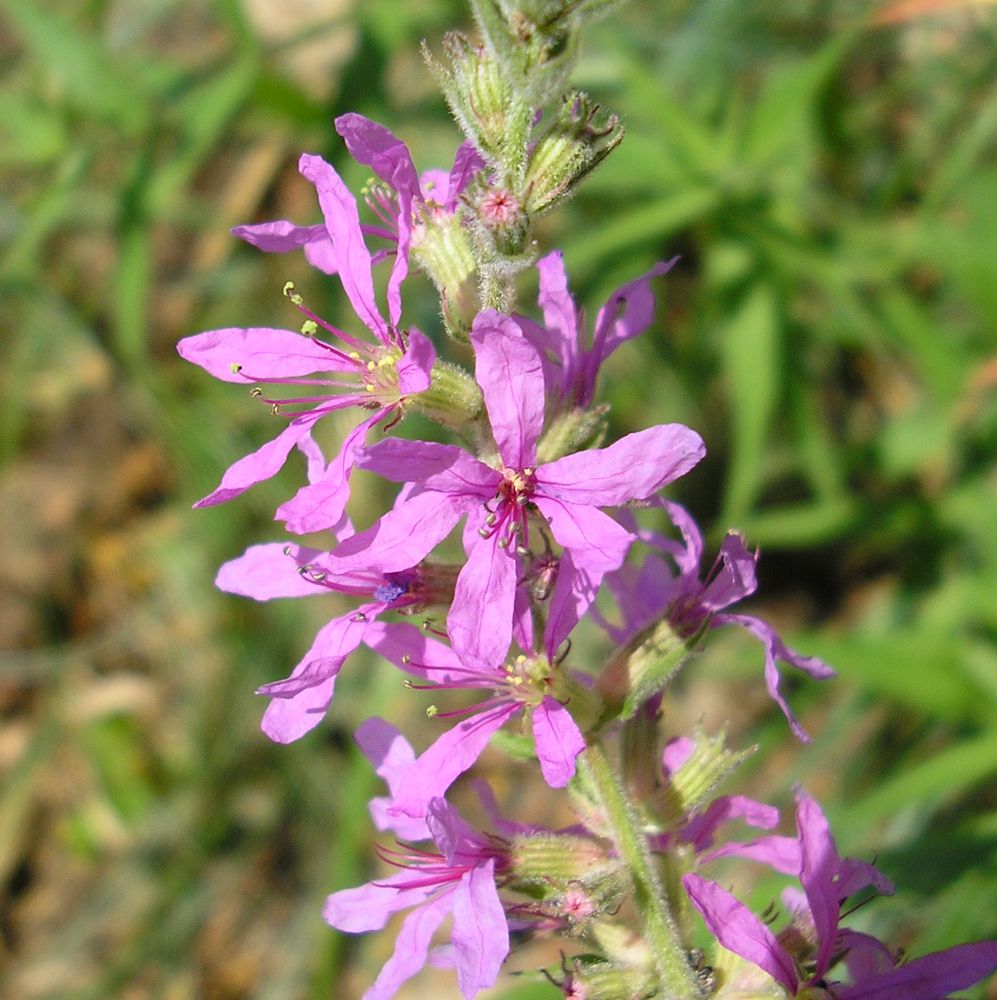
(309, 328)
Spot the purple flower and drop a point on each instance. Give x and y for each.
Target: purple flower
(402, 202)
(264, 572)
(689, 600)
(376, 376)
(572, 359)
(511, 691)
(827, 881)
(458, 880)
(515, 500)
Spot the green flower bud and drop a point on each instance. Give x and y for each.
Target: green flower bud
(641, 669)
(693, 785)
(452, 399)
(576, 142)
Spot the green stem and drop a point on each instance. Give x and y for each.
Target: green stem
(660, 929)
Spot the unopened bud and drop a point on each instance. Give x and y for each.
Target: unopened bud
(644, 666)
(581, 137)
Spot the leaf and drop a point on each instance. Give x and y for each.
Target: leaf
(753, 366)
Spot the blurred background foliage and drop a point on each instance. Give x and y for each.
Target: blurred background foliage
(829, 179)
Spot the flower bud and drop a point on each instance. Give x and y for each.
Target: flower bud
(452, 399)
(478, 93)
(641, 669)
(580, 138)
(441, 249)
(560, 863)
(691, 786)
(572, 431)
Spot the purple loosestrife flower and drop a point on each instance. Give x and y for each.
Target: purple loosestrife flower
(521, 687)
(378, 377)
(827, 881)
(264, 572)
(688, 599)
(572, 359)
(508, 500)
(458, 880)
(403, 202)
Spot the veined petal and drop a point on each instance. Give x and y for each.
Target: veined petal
(342, 222)
(930, 977)
(415, 366)
(480, 933)
(411, 947)
(453, 835)
(558, 741)
(449, 757)
(264, 572)
(736, 578)
(575, 589)
(628, 312)
(401, 538)
(321, 504)
(441, 467)
(700, 830)
(740, 931)
(775, 649)
(411, 650)
(480, 619)
(560, 314)
(819, 866)
(633, 468)
(379, 148)
(597, 542)
(781, 854)
(243, 354)
(509, 370)
(261, 464)
(467, 162)
(300, 702)
(368, 907)
(280, 236)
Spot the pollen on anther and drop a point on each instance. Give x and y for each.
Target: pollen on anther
(235, 368)
(406, 659)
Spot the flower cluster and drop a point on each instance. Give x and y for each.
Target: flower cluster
(547, 518)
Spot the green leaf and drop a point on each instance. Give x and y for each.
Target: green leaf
(84, 71)
(753, 366)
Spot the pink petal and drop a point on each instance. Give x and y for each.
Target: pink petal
(597, 543)
(633, 468)
(775, 650)
(411, 947)
(467, 162)
(509, 370)
(819, 865)
(930, 977)
(415, 366)
(369, 907)
(321, 504)
(558, 741)
(441, 467)
(343, 225)
(480, 619)
(781, 854)
(380, 149)
(449, 757)
(740, 931)
(264, 572)
(480, 933)
(262, 464)
(259, 352)
(280, 236)
(574, 591)
(736, 579)
(302, 699)
(401, 538)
